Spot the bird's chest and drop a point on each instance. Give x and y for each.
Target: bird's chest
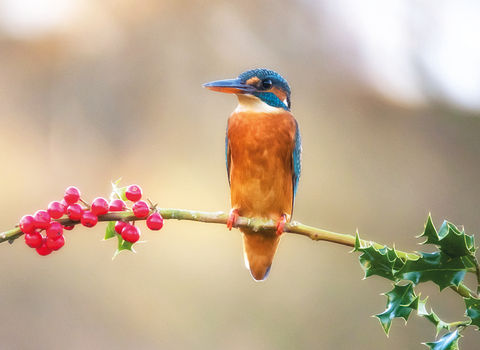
(261, 141)
(260, 150)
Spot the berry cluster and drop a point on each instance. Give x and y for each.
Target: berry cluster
(141, 209)
(44, 221)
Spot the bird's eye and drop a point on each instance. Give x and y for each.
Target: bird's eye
(266, 84)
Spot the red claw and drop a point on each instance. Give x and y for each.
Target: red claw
(281, 224)
(232, 218)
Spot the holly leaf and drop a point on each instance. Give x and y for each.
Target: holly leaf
(437, 267)
(430, 232)
(123, 245)
(379, 262)
(473, 310)
(431, 316)
(469, 262)
(448, 342)
(382, 262)
(449, 239)
(118, 192)
(401, 301)
(110, 231)
(455, 242)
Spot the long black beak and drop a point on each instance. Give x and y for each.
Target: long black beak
(230, 86)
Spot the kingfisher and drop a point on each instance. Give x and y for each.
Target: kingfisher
(263, 157)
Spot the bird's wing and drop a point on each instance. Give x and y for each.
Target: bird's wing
(228, 157)
(297, 161)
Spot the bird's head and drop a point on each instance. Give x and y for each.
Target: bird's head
(261, 85)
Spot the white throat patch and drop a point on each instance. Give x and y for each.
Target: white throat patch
(254, 104)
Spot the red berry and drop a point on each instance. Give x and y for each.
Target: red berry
(100, 206)
(44, 249)
(54, 230)
(133, 193)
(27, 224)
(141, 209)
(155, 222)
(56, 209)
(131, 233)
(69, 228)
(117, 205)
(119, 225)
(41, 219)
(89, 219)
(74, 212)
(55, 244)
(65, 204)
(34, 239)
(72, 195)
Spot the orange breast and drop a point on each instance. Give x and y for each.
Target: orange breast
(260, 147)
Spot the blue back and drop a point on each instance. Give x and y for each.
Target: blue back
(297, 160)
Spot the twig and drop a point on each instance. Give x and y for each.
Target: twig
(215, 217)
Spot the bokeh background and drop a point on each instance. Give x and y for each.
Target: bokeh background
(387, 95)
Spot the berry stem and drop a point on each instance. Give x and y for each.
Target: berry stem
(153, 206)
(85, 203)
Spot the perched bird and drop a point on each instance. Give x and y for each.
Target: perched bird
(263, 154)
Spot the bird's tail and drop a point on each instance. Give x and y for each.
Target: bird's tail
(259, 250)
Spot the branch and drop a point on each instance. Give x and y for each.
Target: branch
(255, 224)
(464, 291)
(220, 217)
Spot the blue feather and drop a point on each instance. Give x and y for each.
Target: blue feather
(227, 160)
(271, 99)
(297, 160)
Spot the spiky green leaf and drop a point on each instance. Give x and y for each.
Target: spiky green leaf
(437, 267)
(473, 310)
(449, 239)
(123, 245)
(382, 262)
(469, 262)
(401, 301)
(118, 192)
(455, 242)
(431, 316)
(110, 231)
(430, 232)
(358, 243)
(448, 342)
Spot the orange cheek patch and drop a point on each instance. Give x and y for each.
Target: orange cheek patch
(279, 93)
(253, 81)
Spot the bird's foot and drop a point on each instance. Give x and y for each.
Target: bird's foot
(232, 218)
(281, 224)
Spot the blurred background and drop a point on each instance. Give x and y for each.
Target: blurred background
(387, 95)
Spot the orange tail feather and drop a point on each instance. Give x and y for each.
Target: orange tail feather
(259, 249)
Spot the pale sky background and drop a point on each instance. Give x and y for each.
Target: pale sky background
(406, 50)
